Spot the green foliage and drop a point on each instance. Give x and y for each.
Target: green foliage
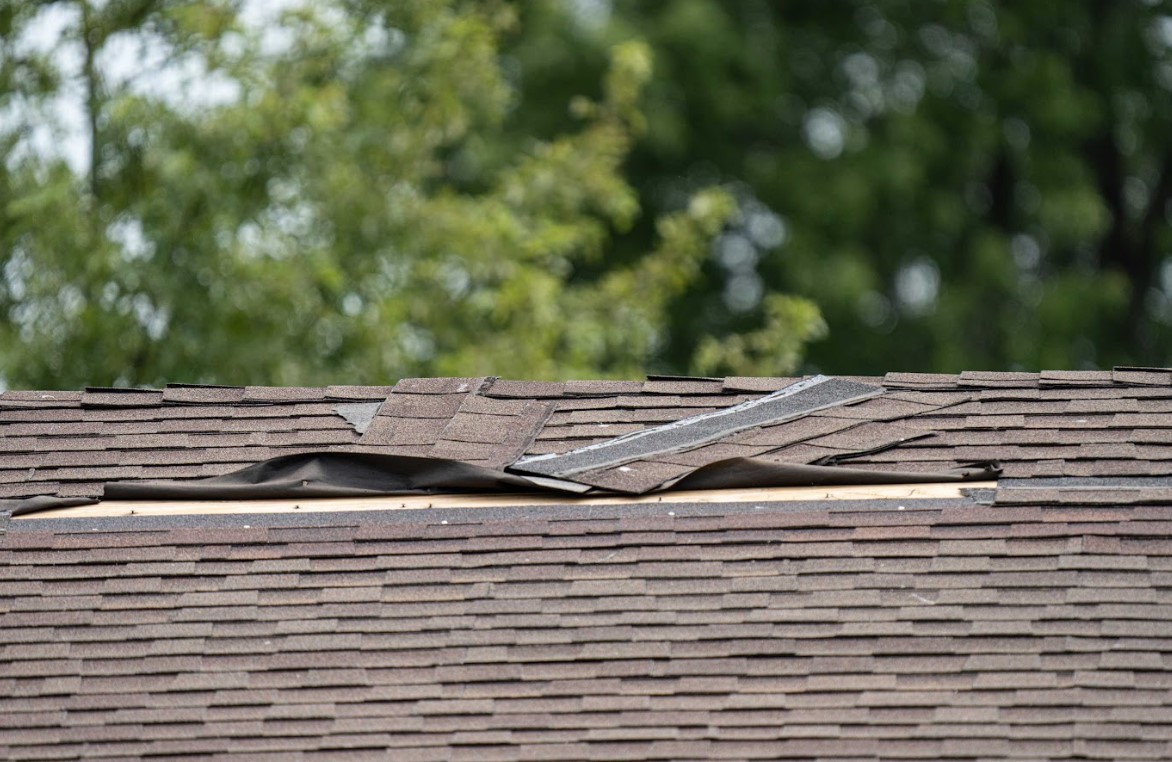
(354, 207)
(388, 189)
(964, 183)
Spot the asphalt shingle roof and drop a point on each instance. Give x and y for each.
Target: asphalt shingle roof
(1026, 623)
(1056, 423)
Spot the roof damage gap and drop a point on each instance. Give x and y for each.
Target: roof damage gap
(358, 414)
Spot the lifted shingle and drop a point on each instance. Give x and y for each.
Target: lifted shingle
(796, 400)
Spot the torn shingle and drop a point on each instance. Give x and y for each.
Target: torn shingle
(525, 389)
(602, 388)
(668, 385)
(869, 436)
(987, 379)
(263, 394)
(202, 395)
(796, 400)
(933, 381)
(472, 427)
(97, 397)
(388, 430)
(422, 405)
(1075, 378)
(756, 383)
(357, 393)
(441, 385)
(791, 432)
(1142, 376)
(489, 406)
(636, 478)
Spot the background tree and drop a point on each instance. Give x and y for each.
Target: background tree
(357, 190)
(959, 184)
(320, 196)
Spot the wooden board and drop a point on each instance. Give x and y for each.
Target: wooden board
(415, 502)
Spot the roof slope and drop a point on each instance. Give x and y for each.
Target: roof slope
(943, 631)
(1027, 623)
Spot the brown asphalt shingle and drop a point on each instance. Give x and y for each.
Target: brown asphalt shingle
(1031, 627)
(829, 633)
(1062, 423)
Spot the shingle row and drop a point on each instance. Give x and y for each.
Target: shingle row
(829, 631)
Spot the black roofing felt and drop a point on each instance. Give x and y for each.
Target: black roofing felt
(796, 400)
(329, 474)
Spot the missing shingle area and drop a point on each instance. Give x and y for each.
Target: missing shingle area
(358, 414)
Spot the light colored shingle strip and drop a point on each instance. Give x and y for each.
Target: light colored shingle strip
(1142, 376)
(1075, 378)
(794, 401)
(202, 395)
(357, 392)
(929, 381)
(120, 398)
(989, 379)
(468, 385)
(283, 394)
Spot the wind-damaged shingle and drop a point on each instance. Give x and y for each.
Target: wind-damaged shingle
(202, 395)
(358, 393)
(992, 379)
(925, 381)
(283, 394)
(525, 389)
(98, 397)
(756, 383)
(421, 405)
(358, 414)
(1142, 376)
(602, 388)
(441, 385)
(669, 385)
(794, 401)
(19, 398)
(393, 430)
(430, 421)
(1075, 378)
(869, 437)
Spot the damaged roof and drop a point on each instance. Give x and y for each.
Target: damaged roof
(1025, 619)
(1052, 424)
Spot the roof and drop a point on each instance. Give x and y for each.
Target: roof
(1026, 621)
